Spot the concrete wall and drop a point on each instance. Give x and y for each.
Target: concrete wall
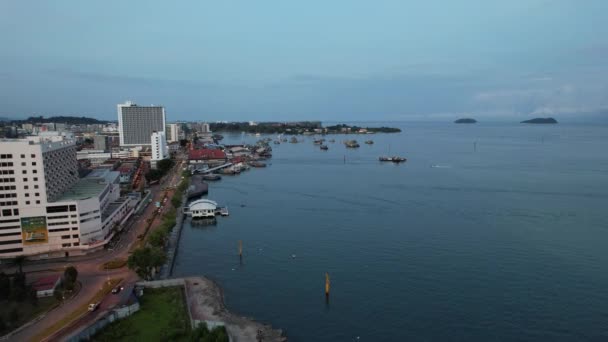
(112, 316)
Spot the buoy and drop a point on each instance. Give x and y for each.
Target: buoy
(327, 284)
(293, 256)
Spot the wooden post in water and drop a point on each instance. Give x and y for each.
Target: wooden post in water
(327, 285)
(241, 249)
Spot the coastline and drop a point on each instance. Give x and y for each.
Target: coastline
(206, 302)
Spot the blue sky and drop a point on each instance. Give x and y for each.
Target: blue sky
(288, 60)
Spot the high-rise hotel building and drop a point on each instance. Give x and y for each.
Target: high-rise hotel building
(137, 123)
(46, 210)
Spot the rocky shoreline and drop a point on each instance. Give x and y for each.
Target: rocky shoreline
(206, 303)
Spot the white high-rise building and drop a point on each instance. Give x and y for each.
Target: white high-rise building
(45, 209)
(173, 132)
(136, 123)
(159, 147)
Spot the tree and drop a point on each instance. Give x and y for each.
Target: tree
(158, 237)
(19, 261)
(164, 165)
(5, 286)
(183, 142)
(18, 289)
(70, 274)
(145, 260)
(13, 316)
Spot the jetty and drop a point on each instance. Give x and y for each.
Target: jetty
(197, 187)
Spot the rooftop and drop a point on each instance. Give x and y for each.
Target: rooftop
(83, 189)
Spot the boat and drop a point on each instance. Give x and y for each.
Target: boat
(393, 159)
(369, 142)
(283, 139)
(293, 140)
(212, 177)
(319, 142)
(257, 164)
(324, 147)
(351, 144)
(277, 142)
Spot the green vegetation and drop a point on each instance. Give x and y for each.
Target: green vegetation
(342, 128)
(163, 316)
(69, 278)
(18, 302)
(145, 260)
(66, 320)
(162, 168)
(202, 334)
(70, 120)
(266, 127)
(114, 264)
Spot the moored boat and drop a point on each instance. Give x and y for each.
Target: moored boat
(393, 159)
(324, 147)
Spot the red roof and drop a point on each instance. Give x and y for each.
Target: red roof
(206, 154)
(46, 283)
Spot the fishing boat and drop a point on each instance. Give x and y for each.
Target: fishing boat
(324, 147)
(257, 164)
(393, 159)
(351, 144)
(369, 142)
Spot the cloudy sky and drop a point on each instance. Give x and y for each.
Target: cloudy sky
(314, 59)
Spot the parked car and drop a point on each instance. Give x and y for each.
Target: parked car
(93, 306)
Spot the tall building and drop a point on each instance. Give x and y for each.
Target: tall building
(45, 209)
(100, 142)
(159, 147)
(136, 123)
(173, 132)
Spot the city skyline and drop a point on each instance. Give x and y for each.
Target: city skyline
(267, 61)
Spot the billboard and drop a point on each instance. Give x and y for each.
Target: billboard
(33, 230)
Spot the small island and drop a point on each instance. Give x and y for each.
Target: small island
(465, 121)
(540, 121)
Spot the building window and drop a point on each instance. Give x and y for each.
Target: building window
(35, 171)
(15, 211)
(25, 187)
(25, 179)
(27, 202)
(23, 156)
(27, 194)
(33, 156)
(7, 212)
(35, 179)
(33, 163)
(37, 202)
(22, 163)
(37, 194)
(24, 172)
(36, 186)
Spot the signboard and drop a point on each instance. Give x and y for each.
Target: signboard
(33, 230)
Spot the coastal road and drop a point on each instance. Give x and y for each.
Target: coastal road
(90, 273)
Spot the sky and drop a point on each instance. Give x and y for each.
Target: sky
(280, 60)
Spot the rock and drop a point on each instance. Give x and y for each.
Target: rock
(541, 121)
(465, 121)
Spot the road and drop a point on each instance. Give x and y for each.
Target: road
(90, 274)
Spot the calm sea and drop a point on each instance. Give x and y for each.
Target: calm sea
(508, 242)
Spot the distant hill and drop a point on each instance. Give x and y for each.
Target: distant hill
(465, 121)
(5, 119)
(540, 121)
(70, 120)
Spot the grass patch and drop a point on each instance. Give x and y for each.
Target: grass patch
(26, 311)
(163, 317)
(66, 320)
(114, 264)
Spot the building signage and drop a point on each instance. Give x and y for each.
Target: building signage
(34, 230)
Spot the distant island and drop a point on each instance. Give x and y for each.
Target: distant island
(465, 121)
(292, 128)
(540, 121)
